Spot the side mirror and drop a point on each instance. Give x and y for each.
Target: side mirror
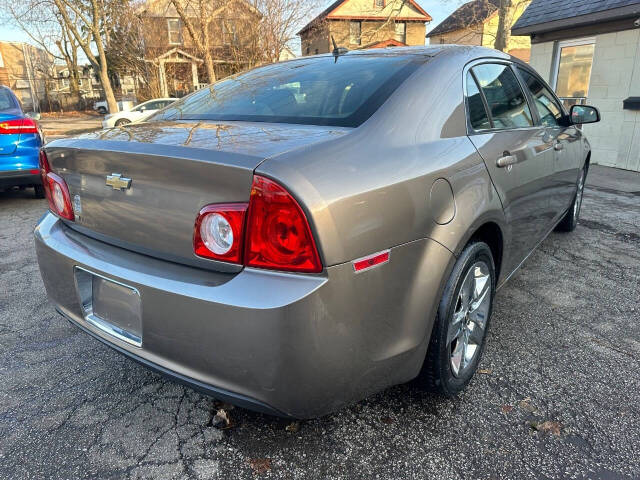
(581, 114)
(33, 115)
(142, 109)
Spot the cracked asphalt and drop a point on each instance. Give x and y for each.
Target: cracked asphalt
(558, 395)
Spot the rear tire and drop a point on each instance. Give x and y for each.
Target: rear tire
(39, 191)
(461, 325)
(121, 122)
(570, 220)
(102, 110)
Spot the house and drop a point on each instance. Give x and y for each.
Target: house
(286, 54)
(25, 69)
(590, 54)
(356, 24)
(88, 82)
(170, 48)
(476, 23)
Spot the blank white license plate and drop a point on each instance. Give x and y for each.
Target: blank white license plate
(111, 306)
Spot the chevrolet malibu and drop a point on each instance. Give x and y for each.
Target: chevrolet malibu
(300, 236)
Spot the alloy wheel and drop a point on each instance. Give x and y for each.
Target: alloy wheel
(468, 323)
(578, 203)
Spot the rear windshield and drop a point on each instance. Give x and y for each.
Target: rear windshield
(6, 100)
(313, 91)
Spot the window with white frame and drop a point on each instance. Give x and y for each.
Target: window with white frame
(174, 29)
(379, 3)
(401, 32)
(572, 72)
(1, 61)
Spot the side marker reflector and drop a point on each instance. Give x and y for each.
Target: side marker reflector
(371, 261)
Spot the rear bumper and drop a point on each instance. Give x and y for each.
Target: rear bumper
(17, 178)
(286, 344)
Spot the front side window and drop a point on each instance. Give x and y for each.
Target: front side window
(507, 104)
(310, 91)
(174, 31)
(355, 33)
(401, 32)
(549, 110)
(477, 113)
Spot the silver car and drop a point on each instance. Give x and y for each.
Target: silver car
(297, 237)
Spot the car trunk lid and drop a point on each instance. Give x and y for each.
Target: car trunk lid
(174, 170)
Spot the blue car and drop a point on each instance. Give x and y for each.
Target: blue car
(20, 142)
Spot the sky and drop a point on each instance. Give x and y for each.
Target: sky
(438, 9)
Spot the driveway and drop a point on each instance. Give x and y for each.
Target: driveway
(64, 125)
(558, 394)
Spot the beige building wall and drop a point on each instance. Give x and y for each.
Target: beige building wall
(366, 8)
(465, 36)
(615, 76)
(25, 69)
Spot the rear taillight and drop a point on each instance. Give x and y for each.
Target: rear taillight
(56, 190)
(278, 234)
(274, 235)
(219, 232)
(21, 125)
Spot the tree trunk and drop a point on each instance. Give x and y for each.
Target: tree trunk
(208, 62)
(504, 26)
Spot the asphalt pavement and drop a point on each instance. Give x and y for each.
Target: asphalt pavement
(557, 396)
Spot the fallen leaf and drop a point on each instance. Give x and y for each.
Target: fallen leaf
(293, 427)
(507, 408)
(526, 405)
(221, 420)
(548, 427)
(485, 371)
(260, 465)
(387, 420)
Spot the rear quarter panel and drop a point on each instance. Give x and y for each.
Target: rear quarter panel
(371, 189)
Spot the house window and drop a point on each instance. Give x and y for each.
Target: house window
(355, 33)
(379, 3)
(174, 31)
(65, 83)
(229, 32)
(572, 73)
(401, 32)
(79, 82)
(1, 61)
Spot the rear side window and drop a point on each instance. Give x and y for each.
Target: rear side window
(6, 100)
(477, 113)
(315, 91)
(548, 108)
(506, 100)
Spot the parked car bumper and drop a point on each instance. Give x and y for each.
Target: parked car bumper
(288, 344)
(15, 178)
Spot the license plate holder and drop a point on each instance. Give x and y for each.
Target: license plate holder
(111, 306)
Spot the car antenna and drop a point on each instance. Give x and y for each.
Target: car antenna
(337, 51)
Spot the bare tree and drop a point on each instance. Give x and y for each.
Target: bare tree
(39, 20)
(281, 19)
(198, 17)
(88, 22)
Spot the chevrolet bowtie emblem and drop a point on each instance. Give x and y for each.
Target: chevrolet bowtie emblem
(117, 182)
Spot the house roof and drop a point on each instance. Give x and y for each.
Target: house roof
(546, 15)
(391, 42)
(471, 13)
(326, 13)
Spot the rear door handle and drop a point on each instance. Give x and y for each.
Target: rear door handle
(506, 161)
